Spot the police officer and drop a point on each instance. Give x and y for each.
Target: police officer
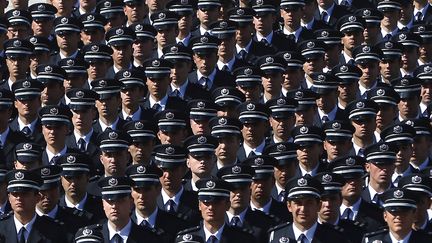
(120, 40)
(158, 73)
(348, 87)
(294, 74)
(273, 69)
(166, 24)
(227, 98)
(132, 92)
(306, 110)
(43, 15)
(40, 55)
(411, 43)
(99, 60)
(352, 28)
(17, 60)
(67, 30)
(391, 60)
(282, 118)
(172, 126)
(426, 86)
(337, 142)
(76, 74)
(408, 89)
(93, 28)
(52, 77)
(332, 39)
(313, 51)
(143, 135)
(144, 43)
(90, 234)
(200, 112)
(420, 158)
(19, 23)
(367, 58)
(28, 156)
(292, 12)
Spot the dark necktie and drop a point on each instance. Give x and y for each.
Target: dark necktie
(235, 221)
(53, 160)
(175, 93)
(281, 196)
(170, 206)
(157, 107)
(347, 214)
(242, 55)
(22, 235)
(376, 200)
(129, 118)
(302, 238)
(205, 82)
(360, 152)
(325, 119)
(212, 239)
(387, 37)
(251, 154)
(396, 181)
(292, 37)
(145, 223)
(351, 62)
(82, 144)
(225, 68)
(324, 15)
(418, 16)
(264, 41)
(108, 129)
(26, 130)
(117, 239)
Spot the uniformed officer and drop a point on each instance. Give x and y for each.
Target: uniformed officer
(352, 28)
(120, 40)
(143, 135)
(353, 207)
(332, 39)
(372, 27)
(107, 104)
(93, 28)
(306, 110)
(282, 118)
(201, 158)
(145, 191)
(391, 60)
(67, 30)
(99, 60)
(262, 184)
(17, 60)
(254, 117)
(367, 58)
(41, 53)
(337, 142)
(19, 23)
(248, 81)
(43, 15)
(166, 24)
(28, 156)
(76, 74)
(158, 73)
(214, 201)
(208, 11)
(240, 214)
(135, 11)
(303, 201)
(24, 225)
(292, 12)
(294, 74)
(329, 213)
(273, 68)
(185, 10)
(422, 72)
(399, 213)
(132, 93)
(227, 98)
(380, 163)
(113, 12)
(172, 126)
(174, 198)
(348, 87)
(411, 43)
(309, 141)
(47, 205)
(144, 43)
(420, 158)
(408, 89)
(89, 234)
(117, 204)
(200, 112)
(5, 206)
(52, 77)
(313, 51)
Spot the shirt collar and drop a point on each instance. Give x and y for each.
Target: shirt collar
(135, 116)
(230, 64)
(265, 209)
(52, 214)
(124, 233)
(150, 219)
(185, 40)
(404, 240)
(62, 56)
(161, 102)
(79, 206)
(329, 11)
(112, 126)
(181, 89)
(309, 233)
(423, 165)
(346, 57)
(313, 172)
(393, 32)
(296, 32)
(246, 48)
(364, 89)
(372, 192)
(32, 125)
(202, 30)
(241, 215)
(354, 208)
(218, 233)
(176, 197)
(268, 38)
(422, 10)
(258, 150)
(28, 226)
(331, 116)
(86, 137)
(211, 78)
(51, 155)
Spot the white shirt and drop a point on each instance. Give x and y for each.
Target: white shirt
(229, 64)
(85, 137)
(185, 40)
(422, 10)
(258, 150)
(135, 116)
(241, 216)
(265, 209)
(161, 102)
(354, 208)
(331, 116)
(404, 240)
(51, 155)
(62, 56)
(211, 78)
(268, 38)
(79, 206)
(181, 89)
(150, 219)
(372, 192)
(28, 226)
(296, 33)
(176, 197)
(364, 89)
(50, 214)
(246, 48)
(313, 172)
(329, 12)
(218, 233)
(32, 125)
(202, 30)
(422, 165)
(112, 126)
(393, 33)
(124, 233)
(308, 233)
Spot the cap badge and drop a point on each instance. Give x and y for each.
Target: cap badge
(119, 32)
(259, 161)
(139, 125)
(397, 129)
(174, 49)
(54, 111)
(398, 194)
(321, 77)
(281, 101)
(169, 150)
(388, 45)
(204, 39)
(384, 147)
(310, 44)
(404, 82)
(269, 60)
(169, 115)
(107, 4)
(95, 48)
(287, 56)
(162, 16)
(350, 161)
(281, 148)
(416, 179)
(421, 29)
(41, 7)
(352, 18)
(402, 37)
(19, 175)
(324, 33)
(90, 18)
(102, 83)
(225, 92)
(112, 182)
(427, 69)
(223, 24)
(70, 62)
(71, 159)
(79, 94)
(87, 232)
(248, 71)
(283, 240)
(64, 20)
(138, 27)
(48, 69)
(33, 40)
(201, 105)
(210, 184)
(126, 74)
(141, 169)
(222, 121)
(360, 105)
(202, 140)
(156, 63)
(304, 130)
(16, 13)
(113, 135)
(343, 68)
(336, 125)
(299, 95)
(187, 236)
(250, 107)
(240, 11)
(17, 43)
(366, 49)
(327, 178)
(27, 146)
(366, 12)
(45, 171)
(236, 169)
(302, 182)
(26, 84)
(410, 122)
(259, 2)
(380, 92)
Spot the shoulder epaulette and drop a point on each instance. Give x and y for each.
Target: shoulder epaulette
(6, 216)
(188, 230)
(385, 230)
(278, 226)
(94, 178)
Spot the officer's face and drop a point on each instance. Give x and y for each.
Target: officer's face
(135, 11)
(64, 7)
(370, 70)
(200, 127)
(244, 34)
(365, 128)
(75, 186)
(108, 107)
(283, 173)
(406, 13)
(304, 210)
(335, 149)
(348, 92)
(95, 36)
(314, 65)
(380, 174)
(185, 23)
(23, 202)
(400, 222)
(208, 16)
(17, 66)
(352, 189)
(201, 165)
(325, 3)
(142, 49)
(42, 27)
(403, 156)
(390, 68)
(122, 54)
(115, 21)
(371, 34)
(74, 82)
(115, 162)
(254, 133)
(252, 93)
(227, 47)
(214, 212)
(426, 93)
(141, 152)
(310, 154)
(87, 4)
(282, 126)
(408, 107)
(330, 206)
(425, 51)
(180, 72)
(386, 115)
(158, 87)
(421, 147)
(423, 203)
(410, 57)
(98, 69)
(292, 16)
(332, 54)
(352, 39)
(293, 78)
(264, 24)
(226, 151)
(48, 199)
(55, 135)
(167, 36)
(82, 119)
(68, 41)
(174, 137)
(19, 4)
(272, 83)
(155, 5)
(390, 19)
(327, 102)
(117, 211)
(205, 62)
(145, 197)
(306, 117)
(261, 189)
(52, 93)
(131, 96)
(240, 198)
(171, 178)
(19, 31)
(37, 59)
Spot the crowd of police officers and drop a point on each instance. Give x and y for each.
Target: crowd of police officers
(216, 121)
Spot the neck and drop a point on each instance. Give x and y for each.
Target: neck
(119, 224)
(213, 226)
(362, 142)
(260, 202)
(305, 227)
(140, 60)
(349, 201)
(274, 94)
(330, 219)
(145, 213)
(254, 143)
(265, 32)
(418, 160)
(226, 57)
(75, 199)
(27, 119)
(401, 168)
(401, 233)
(293, 27)
(109, 119)
(237, 211)
(172, 192)
(228, 161)
(183, 34)
(68, 52)
(25, 217)
(158, 97)
(420, 221)
(130, 109)
(56, 148)
(83, 131)
(309, 165)
(379, 187)
(419, 4)
(388, 28)
(177, 83)
(348, 52)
